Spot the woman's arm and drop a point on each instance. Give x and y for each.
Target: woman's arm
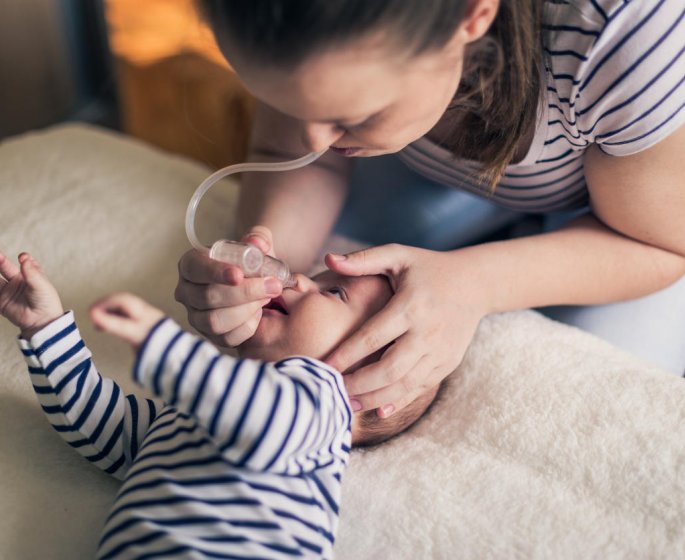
(300, 207)
(634, 245)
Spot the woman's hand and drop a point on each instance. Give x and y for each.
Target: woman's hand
(125, 316)
(27, 298)
(429, 323)
(222, 304)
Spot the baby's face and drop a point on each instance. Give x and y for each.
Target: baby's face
(316, 315)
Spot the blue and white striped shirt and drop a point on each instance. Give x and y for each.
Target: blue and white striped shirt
(615, 77)
(238, 458)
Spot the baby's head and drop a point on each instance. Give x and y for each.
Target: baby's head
(313, 318)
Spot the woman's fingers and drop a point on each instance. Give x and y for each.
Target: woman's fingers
(240, 334)
(430, 321)
(385, 259)
(396, 362)
(376, 333)
(205, 297)
(222, 304)
(196, 267)
(219, 322)
(422, 377)
(260, 237)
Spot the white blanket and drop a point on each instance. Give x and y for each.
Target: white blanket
(547, 443)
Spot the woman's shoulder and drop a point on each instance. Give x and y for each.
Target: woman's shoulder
(601, 14)
(615, 69)
(594, 25)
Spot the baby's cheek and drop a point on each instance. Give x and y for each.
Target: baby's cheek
(316, 327)
(316, 343)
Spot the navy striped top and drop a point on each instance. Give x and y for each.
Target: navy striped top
(615, 73)
(238, 458)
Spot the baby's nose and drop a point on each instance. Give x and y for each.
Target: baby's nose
(304, 283)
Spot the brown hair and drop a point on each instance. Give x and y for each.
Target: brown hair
(496, 102)
(373, 430)
(498, 96)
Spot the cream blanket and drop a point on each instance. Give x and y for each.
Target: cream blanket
(548, 443)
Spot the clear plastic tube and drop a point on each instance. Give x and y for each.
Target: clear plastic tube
(250, 259)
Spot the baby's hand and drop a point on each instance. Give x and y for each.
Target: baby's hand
(125, 316)
(27, 298)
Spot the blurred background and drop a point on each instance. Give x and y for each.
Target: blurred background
(149, 69)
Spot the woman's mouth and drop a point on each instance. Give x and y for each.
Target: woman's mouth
(347, 152)
(278, 305)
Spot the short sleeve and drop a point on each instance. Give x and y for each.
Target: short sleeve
(630, 94)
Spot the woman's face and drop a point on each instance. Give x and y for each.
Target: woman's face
(360, 99)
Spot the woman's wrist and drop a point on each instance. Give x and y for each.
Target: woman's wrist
(585, 263)
(470, 276)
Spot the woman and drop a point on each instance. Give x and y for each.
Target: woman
(559, 106)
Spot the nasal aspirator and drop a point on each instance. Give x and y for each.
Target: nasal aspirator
(247, 257)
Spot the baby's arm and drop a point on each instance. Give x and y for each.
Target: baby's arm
(89, 411)
(288, 417)
(27, 298)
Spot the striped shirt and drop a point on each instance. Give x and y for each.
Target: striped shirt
(238, 458)
(614, 76)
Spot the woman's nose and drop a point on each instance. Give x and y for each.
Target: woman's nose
(318, 136)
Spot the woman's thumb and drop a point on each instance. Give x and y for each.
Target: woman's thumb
(375, 260)
(260, 237)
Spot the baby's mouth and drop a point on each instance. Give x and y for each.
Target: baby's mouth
(277, 304)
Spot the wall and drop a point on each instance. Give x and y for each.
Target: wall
(36, 84)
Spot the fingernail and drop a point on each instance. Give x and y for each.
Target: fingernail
(272, 286)
(356, 405)
(337, 257)
(387, 410)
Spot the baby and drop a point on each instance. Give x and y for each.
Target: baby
(238, 457)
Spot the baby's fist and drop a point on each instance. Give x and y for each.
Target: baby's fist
(125, 316)
(27, 298)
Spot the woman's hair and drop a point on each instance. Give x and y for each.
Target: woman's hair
(496, 102)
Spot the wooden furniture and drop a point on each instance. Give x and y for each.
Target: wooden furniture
(176, 91)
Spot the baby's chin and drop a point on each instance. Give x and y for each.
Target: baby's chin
(253, 350)
(257, 349)
(270, 343)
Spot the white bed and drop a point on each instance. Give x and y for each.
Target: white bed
(547, 443)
